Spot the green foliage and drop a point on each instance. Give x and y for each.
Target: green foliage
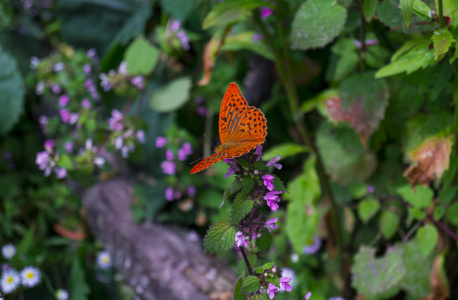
(427, 237)
(316, 24)
(407, 9)
(238, 295)
(263, 242)
(389, 223)
(78, 286)
(172, 96)
(418, 268)
(367, 208)
(11, 92)
(452, 214)
(442, 40)
(219, 238)
(141, 57)
(284, 150)
(421, 197)
(369, 9)
(240, 208)
(250, 284)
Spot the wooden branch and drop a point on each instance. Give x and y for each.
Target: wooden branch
(157, 261)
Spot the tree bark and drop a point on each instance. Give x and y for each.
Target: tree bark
(158, 262)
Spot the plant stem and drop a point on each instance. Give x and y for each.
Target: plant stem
(441, 13)
(245, 258)
(445, 228)
(287, 79)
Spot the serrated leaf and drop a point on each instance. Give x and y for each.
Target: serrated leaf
(237, 294)
(418, 268)
(407, 9)
(229, 11)
(427, 237)
(250, 284)
(263, 242)
(78, 287)
(346, 65)
(11, 92)
(421, 197)
(240, 208)
(372, 276)
(389, 223)
(442, 40)
(452, 214)
(219, 238)
(264, 267)
(279, 185)
(141, 57)
(367, 208)
(317, 23)
(369, 8)
(172, 96)
(284, 150)
(236, 186)
(274, 280)
(247, 185)
(260, 297)
(226, 197)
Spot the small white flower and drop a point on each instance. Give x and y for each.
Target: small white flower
(59, 67)
(104, 260)
(39, 88)
(99, 161)
(30, 276)
(122, 69)
(10, 281)
(8, 251)
(140, 136)
(118, 142)
(34, 61)
(61, 294)
(294, 257)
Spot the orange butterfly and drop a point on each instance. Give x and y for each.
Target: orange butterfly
(241, 128)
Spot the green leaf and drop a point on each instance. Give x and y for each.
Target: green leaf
(372, 276)
(236, 186)
(141, 57)
(246, 41)
(284, 150)
(346, 65)
(442, 40)
(422, 10)
(452, 213)
(65, 162)
(179, 9)
(416, 214)
(317, 23)
(422, 197)
(264, 267)
(248, 184)
(263, 242)
(389, 223)
(238, 295)
(407, 9)
(427, 237)
(11, 92)
(367, 208)
(26, 242)
(279, 185)
(230, 11)
(240, 208)
(418, 56)
(172, 96)
(418, 268)
(369, 8)
(250, 284)
(219, 238)
(260, 297)
(439, 212)
(210, 198)
(78, 287)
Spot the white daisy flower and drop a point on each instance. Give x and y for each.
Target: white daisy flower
(104, 260)
(10, 281)
(30, 276)
(61, 294)
(8, 251)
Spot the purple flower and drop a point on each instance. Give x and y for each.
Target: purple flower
(86, 104)
(160, 141)
(182, 154)
(64, 115)
(115, 121)
(336, 298)
(201, 111)
(271, 289)
(42, 160)
(259, 152)
(368, 42)
(177, 194)
(59, 67)
(184, 40)
(60, 172)
(63, 100)
(118, 141)
(138, 82)
(257, 37)
(175, 25)
(91, 53)
(199, 100)
(270, 224)
(99, 161)
(169, 193)
(308, 296)
(126, 149)
(49, 145)
(187, 148)
(88, 144)
(272, 199)
(265, 12)
(169, 154)
(370, 189)
(55, 88)
(168, 167)
(273, 161)
(313, 245)
(269, 181)
(122, 69)
(140, 135)
(73, 118)
(87, 69)
(68, 146)
(284, 283)
(40, 88)
(191, 191)
(233, 168)
(43, 120)
(105, 82)
(240, 239)
(34, 61)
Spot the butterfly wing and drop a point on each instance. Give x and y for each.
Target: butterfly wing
(207, 162)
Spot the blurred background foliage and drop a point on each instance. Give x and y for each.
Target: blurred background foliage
(361, 102)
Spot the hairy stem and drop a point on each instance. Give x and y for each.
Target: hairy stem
(441, 13)
(245, 258)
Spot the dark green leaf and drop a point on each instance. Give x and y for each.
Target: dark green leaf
(389, 223)
(250, 284)
(427, 237)
(407, 9)
(263, 242)
(78, 287)
(422, 197)
(236, 186)
(246, 41)
(416, 281)
(240, 208)
(179, 9)
(346, 65)
(284, 150)
(248, 184)
(11, 92)
(172, 96)
(316, 24)
(439, 212)
(210, 198)
(367, 208)
(238, 295)
(369, 8)
(452, 213)
(141, 57)
(219, 238)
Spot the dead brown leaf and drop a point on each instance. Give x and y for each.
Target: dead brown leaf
(439, 283)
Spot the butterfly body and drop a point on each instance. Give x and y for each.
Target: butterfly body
(241, 128)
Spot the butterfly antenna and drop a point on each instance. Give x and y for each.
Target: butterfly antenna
(209, 140)
(193, 162)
